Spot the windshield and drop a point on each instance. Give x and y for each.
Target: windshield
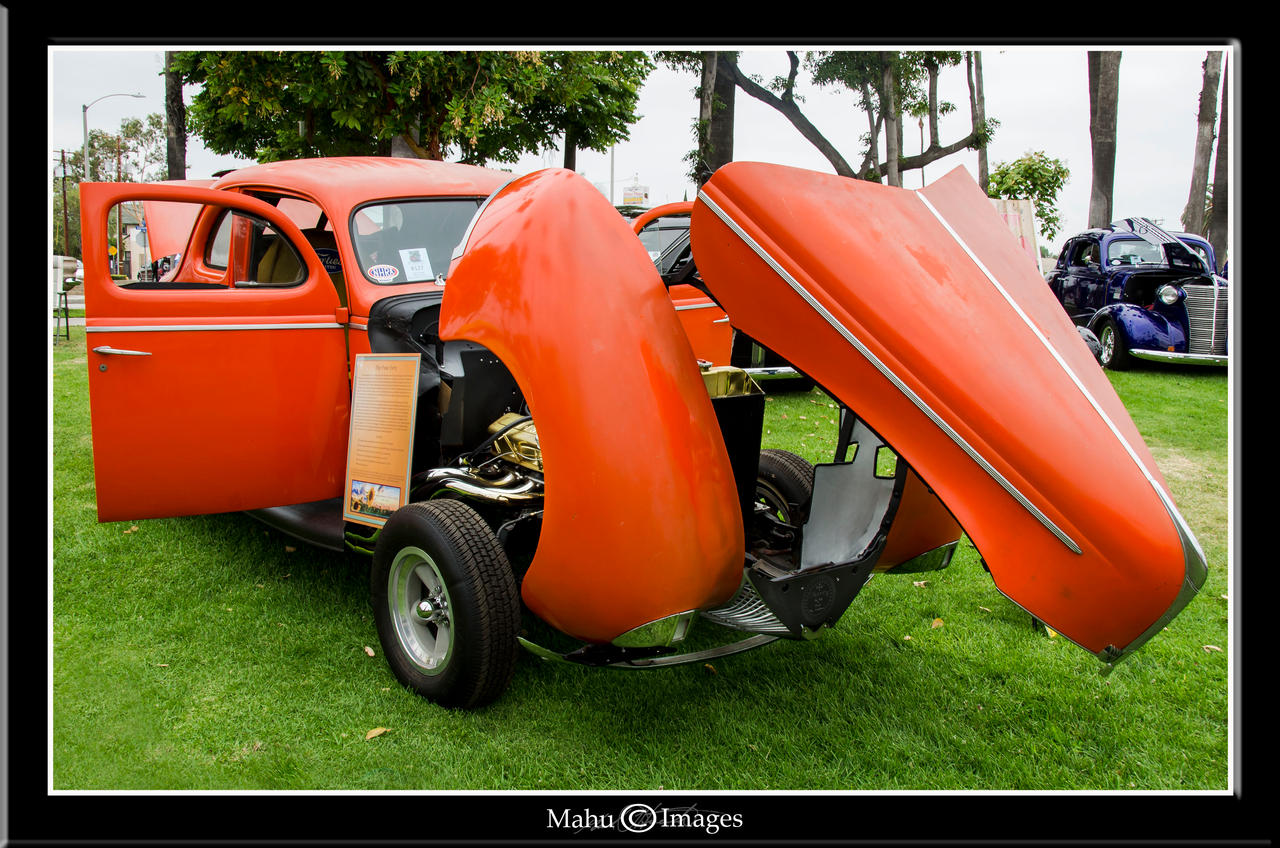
(407, 241)
(658, 234)
(1139, 252)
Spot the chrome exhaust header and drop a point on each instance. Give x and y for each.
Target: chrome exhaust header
(507, 488)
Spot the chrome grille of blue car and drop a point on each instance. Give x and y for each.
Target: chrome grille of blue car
(1207, 314)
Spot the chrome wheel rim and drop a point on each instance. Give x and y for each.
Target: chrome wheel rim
(1108, 342)
(772, 498)
(421, 610)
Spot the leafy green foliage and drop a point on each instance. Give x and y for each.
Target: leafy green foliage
(1036, 177)
(476, 105)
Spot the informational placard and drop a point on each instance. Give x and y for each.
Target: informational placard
(384, 404)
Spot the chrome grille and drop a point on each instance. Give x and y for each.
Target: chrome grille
(1207, 314)
(747, 611)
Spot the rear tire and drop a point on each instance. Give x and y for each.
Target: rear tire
(445, 603)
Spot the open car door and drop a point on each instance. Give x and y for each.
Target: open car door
(224, 387)
(919, 311)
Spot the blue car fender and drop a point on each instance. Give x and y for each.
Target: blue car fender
(1143, 329)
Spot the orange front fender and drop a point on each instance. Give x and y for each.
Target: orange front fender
(641, 515)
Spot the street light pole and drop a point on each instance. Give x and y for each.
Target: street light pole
(84, 117)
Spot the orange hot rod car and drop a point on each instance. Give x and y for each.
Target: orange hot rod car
(571, 455)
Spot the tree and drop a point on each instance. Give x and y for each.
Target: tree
(175, 122)
(1036, 177)
(713, 129)
(1193, 217)
(134, 154)
(886, 85)
(1217, 233)
(475, 105)
(1104, 94)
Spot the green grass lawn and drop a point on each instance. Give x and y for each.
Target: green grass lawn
(213, 653)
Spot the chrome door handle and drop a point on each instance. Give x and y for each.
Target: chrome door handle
(111, 350)
(724, 320)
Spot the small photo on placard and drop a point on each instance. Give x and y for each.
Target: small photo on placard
(417, 265)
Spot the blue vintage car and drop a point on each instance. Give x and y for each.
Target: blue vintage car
(1144, 293)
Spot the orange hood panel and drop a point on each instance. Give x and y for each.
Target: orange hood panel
(919, 310)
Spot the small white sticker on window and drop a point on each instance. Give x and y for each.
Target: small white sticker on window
(383, 273)
(417, 265)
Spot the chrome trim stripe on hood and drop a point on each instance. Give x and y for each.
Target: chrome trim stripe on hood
(1180, 523)
(892, 377)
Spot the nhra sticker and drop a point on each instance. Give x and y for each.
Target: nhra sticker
(329, 259)
(383, 273)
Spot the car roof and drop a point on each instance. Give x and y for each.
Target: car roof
(1112, 232)
(351, 180)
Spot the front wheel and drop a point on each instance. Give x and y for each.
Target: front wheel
(784, 483)
(445, 603)
(1114, 354)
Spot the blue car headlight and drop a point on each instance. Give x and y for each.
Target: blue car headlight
(1169, 295)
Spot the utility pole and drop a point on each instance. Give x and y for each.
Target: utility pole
(119, 216)
(66, 230)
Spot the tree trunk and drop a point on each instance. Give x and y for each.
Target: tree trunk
(1217, 234)
(175, 123)
(1193, 215)
(892, 123)
(706, 115)
(570, 151)
(870, 169)
(980, 119)
(720, 134)
(1104, 94)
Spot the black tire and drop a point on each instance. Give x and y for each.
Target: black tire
(462, 652)
(785, 483)
(1114, 354)
(787, 385)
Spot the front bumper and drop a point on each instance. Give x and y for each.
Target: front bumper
(1182, 358)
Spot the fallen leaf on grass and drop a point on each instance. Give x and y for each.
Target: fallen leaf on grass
(377, 731)
(133, 529)
(368, 650)
(937, 622)
(289, 549)
(906, 638)
(919, 584)
(709, 668)
(984, 609)
(1211, 648)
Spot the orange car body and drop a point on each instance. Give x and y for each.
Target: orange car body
(210, 393)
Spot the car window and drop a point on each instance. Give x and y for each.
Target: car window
(1199, 251)
(1134, 252)
(658, 234)
(1085, 253)
(257, 254)
(408, 241)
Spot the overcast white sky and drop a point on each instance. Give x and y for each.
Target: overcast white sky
(1038, 93)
